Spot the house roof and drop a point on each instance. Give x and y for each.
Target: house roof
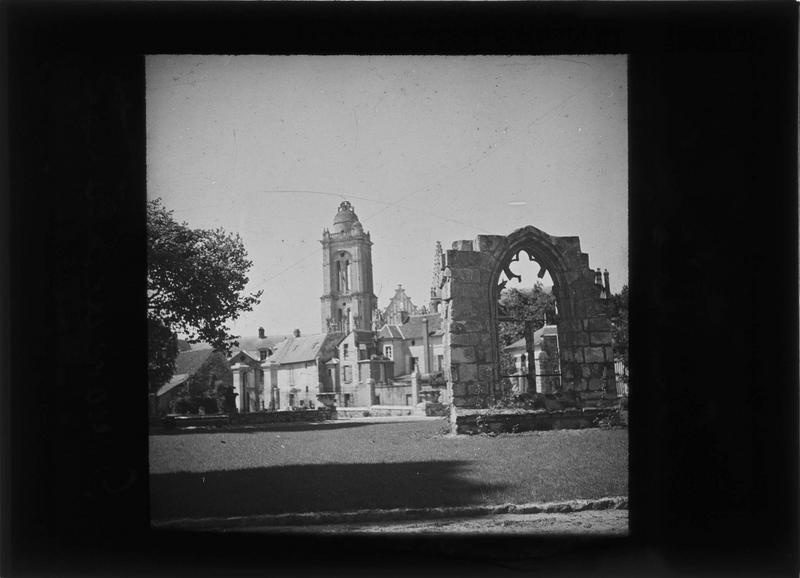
(173, 383)
(414, 328)
(304, 348)
(189, 362)
(537, 338)
(254, 343)
(390, 332)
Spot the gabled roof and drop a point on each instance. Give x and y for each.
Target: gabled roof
(415, 327)
(253, 355)
(537, 338)
(256, 343)
(173, 383)
(305, 347)
(189, 362)
(390, 332)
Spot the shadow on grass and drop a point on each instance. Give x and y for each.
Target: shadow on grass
(256, 428)
(311, 488)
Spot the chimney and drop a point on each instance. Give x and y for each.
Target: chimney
(607, 284)
(261, 333)
(297, 333)
(598, 278)
(425, 346)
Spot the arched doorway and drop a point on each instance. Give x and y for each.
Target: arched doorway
(471, 288)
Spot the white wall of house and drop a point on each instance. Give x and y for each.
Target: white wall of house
(300, 380)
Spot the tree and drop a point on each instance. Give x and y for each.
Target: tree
(195, 284)
(619, 325)
(517, 308)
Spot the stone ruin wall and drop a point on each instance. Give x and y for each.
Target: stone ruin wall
(470, 274)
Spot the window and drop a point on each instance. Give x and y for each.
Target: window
(387, 352)
(439, 362)
(345, 351)
(414, 364)
(262, 354)
(348, 374)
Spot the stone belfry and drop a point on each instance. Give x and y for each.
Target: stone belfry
(347, 299)
(436, 283)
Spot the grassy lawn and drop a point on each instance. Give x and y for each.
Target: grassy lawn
(351, 465)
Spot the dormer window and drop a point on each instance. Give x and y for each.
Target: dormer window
(262, 354)
(345, 351)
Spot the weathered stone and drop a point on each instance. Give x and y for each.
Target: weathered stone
(478, 389)
(466, 275)
(586, 370)
(467, 372)
(600, 338)
(609, 353)
(462, 339)
(472, 291)
(598, 324)
(486, 373)
(457, 328)
(488, 242)
(465, 245)
(582, 338)
(593, 354)
(460, 389)
(474, 326)
(595, 383)
(462, 354)
(567, 371)
(566, 338)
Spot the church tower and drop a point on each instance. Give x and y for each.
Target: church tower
(347, 299)
(436, 282)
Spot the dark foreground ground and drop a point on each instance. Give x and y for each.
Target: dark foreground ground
(354, 465)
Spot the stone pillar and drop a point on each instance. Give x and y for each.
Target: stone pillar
(239, 383)
(269, 383)
(415, 388)
(426, 364)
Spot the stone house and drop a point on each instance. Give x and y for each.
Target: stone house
(201, 378)
(357, 369)
(538, 365)
(281, 372)
(413, 346)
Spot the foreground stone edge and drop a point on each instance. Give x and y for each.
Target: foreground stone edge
(391, 515)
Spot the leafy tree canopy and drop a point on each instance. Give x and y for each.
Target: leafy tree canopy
(619, 323)
(195, 286)
(518, 306)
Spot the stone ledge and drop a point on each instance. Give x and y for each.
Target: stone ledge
(392, 515)
(478, 421)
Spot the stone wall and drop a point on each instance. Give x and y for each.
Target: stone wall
(476, 421)
(470, 290)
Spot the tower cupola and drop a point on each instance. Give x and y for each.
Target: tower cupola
(345, 218)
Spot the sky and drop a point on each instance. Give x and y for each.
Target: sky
(426, 148)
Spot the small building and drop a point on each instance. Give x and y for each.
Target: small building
(414, 346)
(544, 373)
(359, 368)
(200, 381)
(282, 372)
